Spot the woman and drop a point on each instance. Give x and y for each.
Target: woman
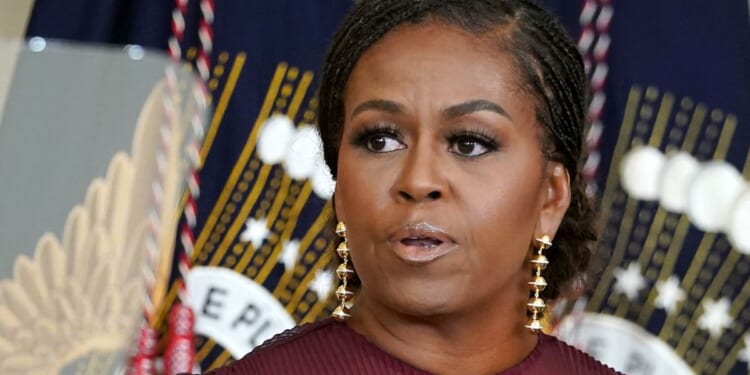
(454, 131)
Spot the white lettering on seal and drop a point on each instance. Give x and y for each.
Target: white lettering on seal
(233, 310)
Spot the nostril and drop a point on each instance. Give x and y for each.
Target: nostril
(405, 195)
(431, 196)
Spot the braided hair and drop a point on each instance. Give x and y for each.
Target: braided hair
(551, 72)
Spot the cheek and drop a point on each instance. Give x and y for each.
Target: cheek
(502, 222)
(501, 217)
(358, 196)
(506, 192)
(362, 186)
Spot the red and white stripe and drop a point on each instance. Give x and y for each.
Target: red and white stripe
(180, 351)
(594, 43)
(178, 30)
(206, 37)
(179, 354)
(192, 151)
(143, 361)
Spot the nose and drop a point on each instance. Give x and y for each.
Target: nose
(420, 179)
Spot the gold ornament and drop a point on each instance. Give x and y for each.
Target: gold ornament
(344, 273)
(536, 304)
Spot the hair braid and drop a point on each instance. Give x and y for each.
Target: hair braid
(562, 83)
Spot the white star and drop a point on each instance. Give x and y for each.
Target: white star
(744, 355)
(256, 231)
(289, 254)
(322, 284)
(629, 281)
(670, 294)
(715, 316)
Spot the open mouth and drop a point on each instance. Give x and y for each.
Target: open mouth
(420, 241)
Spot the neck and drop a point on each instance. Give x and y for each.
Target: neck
(475, 342)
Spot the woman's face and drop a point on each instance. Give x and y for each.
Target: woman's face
(441, 179)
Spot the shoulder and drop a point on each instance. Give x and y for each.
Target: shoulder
(301, 348)
(303, 335)
(574, 361)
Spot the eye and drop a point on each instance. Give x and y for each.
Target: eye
(380, 139)
(383, 143)
(468, 147)
(471, 144)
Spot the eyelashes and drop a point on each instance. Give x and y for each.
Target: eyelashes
(379, 138)
(363, 135)
(472, 143)
(385, 137)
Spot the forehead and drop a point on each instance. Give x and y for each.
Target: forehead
(438, 59)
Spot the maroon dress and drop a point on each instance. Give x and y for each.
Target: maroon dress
(329, 347)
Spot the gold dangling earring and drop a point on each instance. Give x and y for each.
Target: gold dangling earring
(536, 304)
(344, 273)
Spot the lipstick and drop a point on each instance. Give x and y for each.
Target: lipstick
(421, 243)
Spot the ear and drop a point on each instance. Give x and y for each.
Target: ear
(555, 199)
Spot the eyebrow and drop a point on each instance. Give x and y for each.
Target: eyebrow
(465, 108)
(454, 111)
(379, 105)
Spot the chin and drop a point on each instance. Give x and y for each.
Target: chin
(418, 293)
(433, 303)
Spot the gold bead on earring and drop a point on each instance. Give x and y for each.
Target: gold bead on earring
(344, 273)
(536, 304)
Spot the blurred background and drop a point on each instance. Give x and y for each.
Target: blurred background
(164, 204)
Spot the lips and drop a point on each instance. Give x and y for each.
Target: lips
(421, 243)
